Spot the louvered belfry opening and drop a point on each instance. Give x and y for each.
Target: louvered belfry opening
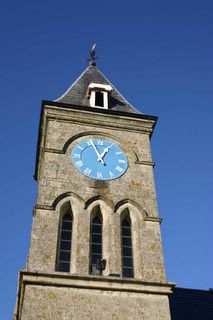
(126, 246)
(65, 241)
(96, 240)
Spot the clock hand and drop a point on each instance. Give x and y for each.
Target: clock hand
(96, 151)
(103, 153)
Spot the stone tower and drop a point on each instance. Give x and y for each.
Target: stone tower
(95, 250)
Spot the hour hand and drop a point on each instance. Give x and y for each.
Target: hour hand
(103, 153)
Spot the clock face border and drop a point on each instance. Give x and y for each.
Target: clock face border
(99, 158)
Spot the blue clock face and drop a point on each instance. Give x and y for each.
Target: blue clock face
(99, 159)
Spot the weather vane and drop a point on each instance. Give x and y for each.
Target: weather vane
(93, 56)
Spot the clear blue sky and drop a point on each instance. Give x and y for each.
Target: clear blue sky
(159, 54)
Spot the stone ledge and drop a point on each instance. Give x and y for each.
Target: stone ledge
(43, 207)
(58, 151)
(95, 119)
(153, 219)
(98, 284)
(50, 150)
(95, 282)
(146, 163)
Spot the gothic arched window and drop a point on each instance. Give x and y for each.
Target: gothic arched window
(65, 241)
(126, 248)
(96, 241)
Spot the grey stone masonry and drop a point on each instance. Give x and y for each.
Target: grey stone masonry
(59, 181)
(45, 293)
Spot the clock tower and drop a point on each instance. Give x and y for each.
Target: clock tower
(95, 250)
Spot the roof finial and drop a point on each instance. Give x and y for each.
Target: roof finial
(93, 56)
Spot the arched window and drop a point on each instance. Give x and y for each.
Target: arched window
(96, 241)
(126, 248)
(65, 241)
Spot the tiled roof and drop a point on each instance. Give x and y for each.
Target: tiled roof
(76, 94)
(191, 304)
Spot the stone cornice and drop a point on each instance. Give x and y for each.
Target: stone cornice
(60, 105)
(93, 119)
(95, 282)
(153, 219)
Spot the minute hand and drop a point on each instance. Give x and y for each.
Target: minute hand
(96, 151)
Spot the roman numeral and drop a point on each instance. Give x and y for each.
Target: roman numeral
(76, 155)
(100, 142)
(99, 175)
(79, 147)
(112, 176)
(89, 142)
(87, 171)
(122, 161)
(119, 169)
(79, 163)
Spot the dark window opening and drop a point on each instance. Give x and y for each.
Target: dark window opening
(99, 99)
(126, 244)
(64, 245)
(96, 243)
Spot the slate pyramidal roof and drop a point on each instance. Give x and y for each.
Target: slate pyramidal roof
(76, 94)
(76, 98)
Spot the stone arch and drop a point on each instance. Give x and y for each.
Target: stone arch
(101, 202)
(64, 197)
(125, 214)
(65, 207)
(128, 203)
(99, 133)
(96, 211)
(95, 199)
